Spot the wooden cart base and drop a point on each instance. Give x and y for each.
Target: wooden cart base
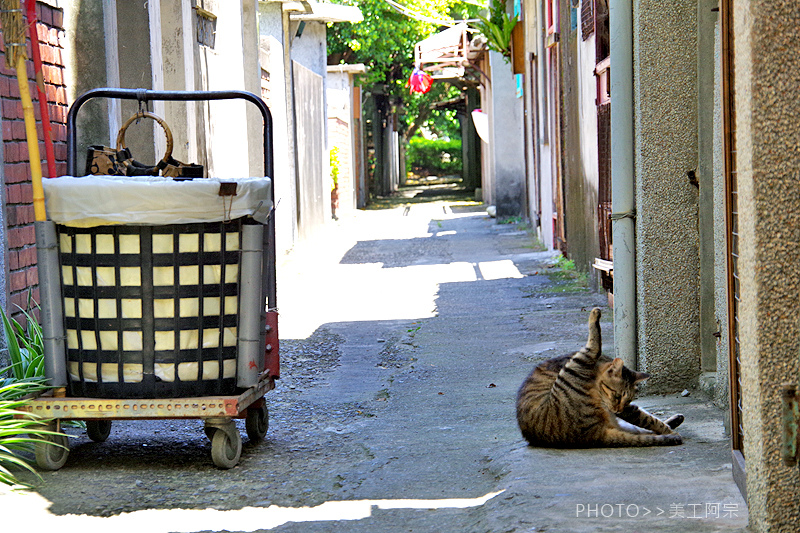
(218, 413)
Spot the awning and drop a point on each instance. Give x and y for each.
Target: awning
(323, 12)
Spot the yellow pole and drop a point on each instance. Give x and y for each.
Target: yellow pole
(33, 141)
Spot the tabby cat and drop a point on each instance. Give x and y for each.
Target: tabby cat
(574, 401)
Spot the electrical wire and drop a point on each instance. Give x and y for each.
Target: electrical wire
(403, 10)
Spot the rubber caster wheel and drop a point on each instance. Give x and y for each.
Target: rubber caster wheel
(52, 450)
(209, 431)
(98, 430)
(257, 423)
(226, 448)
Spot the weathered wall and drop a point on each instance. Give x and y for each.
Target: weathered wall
(274, 86)
(222, 67)
(505, 123)
(84, 52)
(339, 98)
(767, 66)
(313, 165)
(720, 392)
(580, 147)
(530, 18)
(665, 148)
(706, 114)
(133, 35)
(572, 162)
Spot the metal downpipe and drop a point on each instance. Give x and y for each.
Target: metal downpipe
(622, 181)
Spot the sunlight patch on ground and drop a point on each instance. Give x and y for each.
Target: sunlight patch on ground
(503, 269)
(34, 508)
(364, 292)
(350, 296)
(315, 288)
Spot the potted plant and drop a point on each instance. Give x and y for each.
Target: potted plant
(334, 156)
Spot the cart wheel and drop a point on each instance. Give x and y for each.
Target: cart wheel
(98, 430)
(226, 448)
(209, 431)
(257, 423)
(52, 450)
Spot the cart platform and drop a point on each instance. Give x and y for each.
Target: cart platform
(50, 406)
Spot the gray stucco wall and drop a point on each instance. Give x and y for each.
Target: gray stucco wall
(665, 111)
(579, 134)
(706, 113)
(720, 393)
(85, 53)
(767, 66)
(310, 48)
(508, 141)
(272, 56)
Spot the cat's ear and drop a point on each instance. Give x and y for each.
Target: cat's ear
(615, 367)
(638, 377)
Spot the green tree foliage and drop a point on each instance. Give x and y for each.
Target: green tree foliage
(434, 157)
(385, 41)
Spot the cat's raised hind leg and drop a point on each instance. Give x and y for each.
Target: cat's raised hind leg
(594, 343)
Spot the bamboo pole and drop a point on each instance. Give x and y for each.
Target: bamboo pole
(33, 140)
(30, 6)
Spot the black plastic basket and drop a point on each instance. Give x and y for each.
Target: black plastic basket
(151, 311)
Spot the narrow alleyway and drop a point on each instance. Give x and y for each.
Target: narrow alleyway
(405, 334)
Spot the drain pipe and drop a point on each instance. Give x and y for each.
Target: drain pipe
(622, 181)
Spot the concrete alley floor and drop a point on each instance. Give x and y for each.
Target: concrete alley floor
(405, 334)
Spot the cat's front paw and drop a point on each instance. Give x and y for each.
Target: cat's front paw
(673, 439)
(674, 421)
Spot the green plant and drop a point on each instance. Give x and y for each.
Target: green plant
(25, 377)
(497, 28)
(25, 348)
(19, 430)
(335, 164)
(566, 277)
(511, 220)
(434, 157)
(566, 265)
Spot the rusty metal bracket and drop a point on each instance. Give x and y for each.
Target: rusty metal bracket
(790, 419)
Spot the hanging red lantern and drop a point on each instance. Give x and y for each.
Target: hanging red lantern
(419, 82)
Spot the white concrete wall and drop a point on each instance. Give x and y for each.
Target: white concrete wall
(225, 127)
(340, 96)
(272, 55)
(508, 140)
(588, 114)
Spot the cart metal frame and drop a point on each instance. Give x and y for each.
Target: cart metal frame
(217, 412)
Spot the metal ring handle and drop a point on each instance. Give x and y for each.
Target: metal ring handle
(147, 114)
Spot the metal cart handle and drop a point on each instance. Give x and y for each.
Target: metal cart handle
(145, 95)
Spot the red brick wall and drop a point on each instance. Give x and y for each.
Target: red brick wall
(21, 254)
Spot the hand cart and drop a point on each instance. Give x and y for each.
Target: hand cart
(217, 401)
